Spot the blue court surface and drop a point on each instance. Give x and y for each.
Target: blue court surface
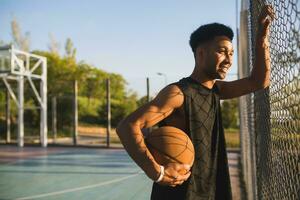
(70, 173)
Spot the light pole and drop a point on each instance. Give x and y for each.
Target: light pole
(164, 75)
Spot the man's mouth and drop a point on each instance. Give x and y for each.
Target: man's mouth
(224, 69)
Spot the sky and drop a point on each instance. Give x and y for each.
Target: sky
(134, 38)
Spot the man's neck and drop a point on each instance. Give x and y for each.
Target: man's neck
(202, 79)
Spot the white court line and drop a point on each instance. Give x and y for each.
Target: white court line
(79, 188)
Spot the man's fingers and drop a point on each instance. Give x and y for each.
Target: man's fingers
(271, 12)
(175, 174)
(182, 177)
(266, 17)
(267, 12)
(187, 167)
(173, 180)
(186, 176)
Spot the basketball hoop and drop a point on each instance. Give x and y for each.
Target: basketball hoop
(19, 66)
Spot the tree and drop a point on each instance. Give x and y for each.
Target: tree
(54, 46)
(120, 108)
(142, 101)
(93, 82)
(230, 113)
(21, 41)
(70, 49)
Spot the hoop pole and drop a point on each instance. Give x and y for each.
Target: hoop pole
(7, 116)
(43, 129)
(21, 111)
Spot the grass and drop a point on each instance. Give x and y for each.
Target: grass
(232, 138)
(231, 135)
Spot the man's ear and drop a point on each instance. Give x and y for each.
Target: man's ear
(199, 54)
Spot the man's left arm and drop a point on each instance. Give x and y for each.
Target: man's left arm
(260, 74)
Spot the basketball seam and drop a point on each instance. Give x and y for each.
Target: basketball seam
(171, 157)
(172, 136)
(168, 156)
(186, 147)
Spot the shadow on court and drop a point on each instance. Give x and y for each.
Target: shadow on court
(78, 173)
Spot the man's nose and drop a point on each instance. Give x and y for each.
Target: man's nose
(229, 59)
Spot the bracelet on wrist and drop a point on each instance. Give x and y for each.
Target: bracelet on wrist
(161, 174)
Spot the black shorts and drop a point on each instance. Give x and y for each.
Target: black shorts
(160, 192)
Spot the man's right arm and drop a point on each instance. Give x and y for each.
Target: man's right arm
(130, 134)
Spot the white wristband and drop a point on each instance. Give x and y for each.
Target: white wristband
(161, 175)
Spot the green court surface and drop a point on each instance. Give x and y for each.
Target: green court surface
(70, 173)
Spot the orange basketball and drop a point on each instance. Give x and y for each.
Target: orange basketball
(168, 144)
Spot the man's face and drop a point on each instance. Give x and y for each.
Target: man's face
(217, 57)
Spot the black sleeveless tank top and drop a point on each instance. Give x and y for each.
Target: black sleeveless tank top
(209, 179)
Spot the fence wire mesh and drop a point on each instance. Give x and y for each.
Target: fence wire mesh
(270, 118)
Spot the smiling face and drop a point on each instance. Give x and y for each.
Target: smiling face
(215, 57)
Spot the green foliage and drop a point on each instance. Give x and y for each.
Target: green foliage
(62, 71)
(65, 114)
(87, 110)
(142, 101)
(232, 138)
(2, 96)
(2, 112)
(230, 113)
(120, 108)
(92, 81)
(69, 48)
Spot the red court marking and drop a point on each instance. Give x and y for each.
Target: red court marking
(11, 154)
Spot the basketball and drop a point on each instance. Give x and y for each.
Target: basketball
(168, 144)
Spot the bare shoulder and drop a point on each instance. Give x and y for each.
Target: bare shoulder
(171, 96)
(156, 110)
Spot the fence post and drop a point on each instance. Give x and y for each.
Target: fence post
(148, 130)
(108, 109)
(148, 90)
(75, 109)
(7, 117)
(54, 118)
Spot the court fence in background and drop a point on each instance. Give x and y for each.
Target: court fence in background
(270, 118)
(74, 118)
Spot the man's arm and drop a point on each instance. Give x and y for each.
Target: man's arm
(260, 74)
(129, 131)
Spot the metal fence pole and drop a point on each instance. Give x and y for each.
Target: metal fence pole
(54, 118)
(148, 90)
(108, 109)
(75, 108)
(7, 117)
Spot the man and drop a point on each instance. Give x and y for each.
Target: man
(193, 105)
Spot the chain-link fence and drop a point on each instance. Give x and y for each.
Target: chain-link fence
(270, 118)
(77, 114)
(9, 114)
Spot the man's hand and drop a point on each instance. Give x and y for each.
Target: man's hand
(175, 174)
(267, 15)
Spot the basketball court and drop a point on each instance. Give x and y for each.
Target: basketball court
(78, 173)
(76, 165)
(70, 173)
